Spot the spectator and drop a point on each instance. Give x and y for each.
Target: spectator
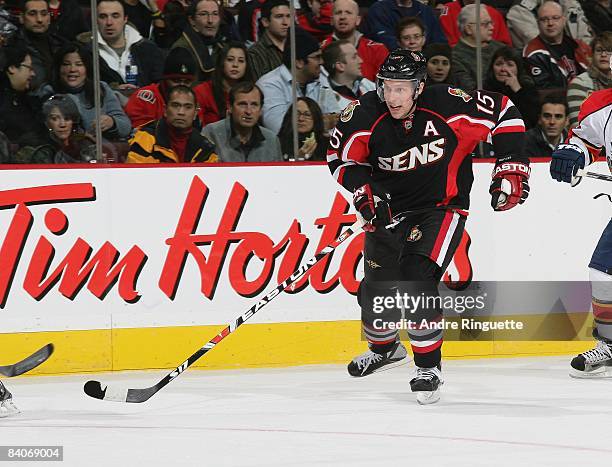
(7, 28)
(276, 85)
(383, 17)
(19, 111)
(203, 37)
(213, 96)
(345, 20)
(596, 77)
(73, 75)
(248, 20)
(599, 16)
(541, 140)
(267, 53)
(450, 14)
(439, 64)
(66, 142)
(148, 103)
(464, 53)
(174, 20)
(312, 142)
(343, 65)
(67, 19)
(315, 18)
(554, 58)
(523, 22)
(142, 14)
(129, 61)
(238, 137)
(41, 44)
(506, 75)
(173, 138)
(410, 33)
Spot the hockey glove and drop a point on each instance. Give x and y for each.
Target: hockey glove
(372, 207)
(510, 185)
(565, 162)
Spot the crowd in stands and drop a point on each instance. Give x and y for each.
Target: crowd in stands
(203, 81)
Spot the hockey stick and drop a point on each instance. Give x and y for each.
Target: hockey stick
(96, 390)
(584, 173)
(28, 363)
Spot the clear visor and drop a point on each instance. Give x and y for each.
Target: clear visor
(392, 89)
(610, 55)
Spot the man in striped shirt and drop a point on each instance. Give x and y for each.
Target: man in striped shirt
(267, 53)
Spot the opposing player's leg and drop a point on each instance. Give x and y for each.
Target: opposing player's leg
(597, 362)
(6, 402)
(381, 272)
(431, 240)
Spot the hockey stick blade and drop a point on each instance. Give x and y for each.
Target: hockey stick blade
(101, 391)
(595, 175)
(28, 363)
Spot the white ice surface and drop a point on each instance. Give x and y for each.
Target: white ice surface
(519, 412)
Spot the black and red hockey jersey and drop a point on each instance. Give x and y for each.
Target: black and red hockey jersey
(423, 161)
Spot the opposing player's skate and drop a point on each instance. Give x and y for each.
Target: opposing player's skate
(595, 363)
(6, 402)
(371, 361)
(426, 384)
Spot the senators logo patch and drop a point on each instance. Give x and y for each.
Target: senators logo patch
(146, 95)
(347, 113)
(415, 234)
(373, 264)
(460, 93)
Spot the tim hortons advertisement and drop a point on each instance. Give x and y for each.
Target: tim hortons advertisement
(145, 247)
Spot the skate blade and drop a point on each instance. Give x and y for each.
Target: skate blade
(428, 397)
(390, 366)
(599, 373)
(7, 409)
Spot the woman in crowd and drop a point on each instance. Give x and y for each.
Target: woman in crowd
(596, 77)
(73, 75)
(439, 63)
(312, 142)
(19, 112)
(66, 142)
(507, 76)
(231, 68)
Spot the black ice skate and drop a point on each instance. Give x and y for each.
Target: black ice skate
(6, 402)
(595, 363)
(426, 384)
(370, 361)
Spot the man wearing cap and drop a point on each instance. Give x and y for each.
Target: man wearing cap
(148, 102)
(276, 85)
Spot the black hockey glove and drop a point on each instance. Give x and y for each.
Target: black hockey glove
(565, 162)
(373, 207)
(510, 184)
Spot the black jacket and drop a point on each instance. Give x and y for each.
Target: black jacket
(536, 145)
(20, 117)
(70, 22)
(146, 55)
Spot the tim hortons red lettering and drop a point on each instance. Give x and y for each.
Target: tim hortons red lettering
(410, 159)
(75, 269)
(249, 245)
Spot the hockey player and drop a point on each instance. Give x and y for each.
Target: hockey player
(404, 152)
(584, 143)
(6, 402)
